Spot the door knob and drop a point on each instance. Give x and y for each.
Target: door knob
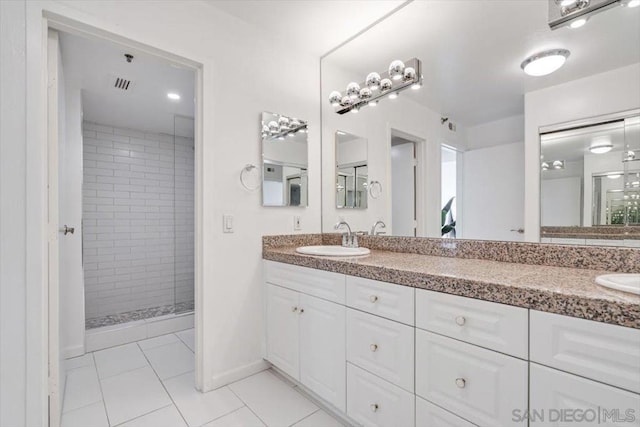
(67, 230)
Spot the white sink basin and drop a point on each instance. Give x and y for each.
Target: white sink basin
(332, 251)
(622, 282)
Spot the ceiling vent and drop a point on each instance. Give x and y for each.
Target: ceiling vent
(122, 83)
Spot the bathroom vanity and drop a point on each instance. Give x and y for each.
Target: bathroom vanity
(410, 339)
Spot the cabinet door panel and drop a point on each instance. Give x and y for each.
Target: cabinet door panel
(388, 300)
(322, 284)
(603, 352)
(374, 402)
(282, 329)
(322, 349)
(381, 346)
(556, 395)
(495, 326)
(479, 385)
(430, 415)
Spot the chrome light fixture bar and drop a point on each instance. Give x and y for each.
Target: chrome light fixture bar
(283, 126)
(574, 13)
(399, 77)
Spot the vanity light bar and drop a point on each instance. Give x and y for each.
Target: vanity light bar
(363, 94)
(283, 126)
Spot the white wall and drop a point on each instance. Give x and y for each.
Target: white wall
(402, 190)
(609, 92)
(230, 305)
(562, 201)
(493, 198)
(597, 164)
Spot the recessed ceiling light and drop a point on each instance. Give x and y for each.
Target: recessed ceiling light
(544, 63)
(173, 96)
(578, 23)
(601, 147)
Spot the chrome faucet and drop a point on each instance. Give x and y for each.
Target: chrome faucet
(378, 223)
(349, 239)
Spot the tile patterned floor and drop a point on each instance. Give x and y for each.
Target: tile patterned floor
(150, 384)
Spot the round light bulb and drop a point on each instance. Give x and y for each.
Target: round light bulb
(396, 69)
(373, 81)
(385, 85)
(353, 90)
(335, 97)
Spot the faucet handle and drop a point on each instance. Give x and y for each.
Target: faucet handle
(354, 241)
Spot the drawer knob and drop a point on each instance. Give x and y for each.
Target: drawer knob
(373, 298)
(460, 320)
(375, 407)
(461, 382)
(294, 309)
(373, 347)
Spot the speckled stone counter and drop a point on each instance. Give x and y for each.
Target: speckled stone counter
(603, 232)
(553, 289)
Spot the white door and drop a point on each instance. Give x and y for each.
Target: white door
(283, 329)
(322, 349)
(403, 189)
(54, 356)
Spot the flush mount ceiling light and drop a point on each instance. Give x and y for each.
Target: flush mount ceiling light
(400, 76)
(544, 63)
(633, 3)
(601, 147)
(173, 96)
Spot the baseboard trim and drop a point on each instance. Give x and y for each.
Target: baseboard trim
(236, 374)
(73, 351)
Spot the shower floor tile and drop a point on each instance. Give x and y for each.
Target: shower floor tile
(152, 396)
(135, 315)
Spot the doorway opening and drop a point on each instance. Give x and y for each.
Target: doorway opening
(404, 162)
(122, 146)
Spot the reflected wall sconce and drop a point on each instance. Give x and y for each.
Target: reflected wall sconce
(399, 77)
(283, 126)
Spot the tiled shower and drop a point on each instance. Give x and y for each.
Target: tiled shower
(138, 223)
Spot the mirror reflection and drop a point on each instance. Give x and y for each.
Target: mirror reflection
(590, 177)
(284, 161)
(453, 129)
(351, 171)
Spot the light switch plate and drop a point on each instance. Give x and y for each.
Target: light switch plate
(297, 223)
(227, 224)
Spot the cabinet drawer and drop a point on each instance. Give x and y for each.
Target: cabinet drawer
(477, 384)
(556, 394)
(381, 346)
(395, 302)
(603, 352)
(499, 327)
(430, 415)
(372, 401)
(322, 284)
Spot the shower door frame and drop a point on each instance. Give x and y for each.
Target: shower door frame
(58, 22)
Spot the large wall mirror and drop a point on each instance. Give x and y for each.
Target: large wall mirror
(285, 180)
(351, 171)
(590, 181)
(453, 120)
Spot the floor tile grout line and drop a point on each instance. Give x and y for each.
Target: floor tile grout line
(245, 403)
(164, 387)
(143, 415)
(183, 341)
(304, 418)
(104, 404)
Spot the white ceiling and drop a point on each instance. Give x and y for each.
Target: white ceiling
(471, 52)
(93, 65)
(315, 26)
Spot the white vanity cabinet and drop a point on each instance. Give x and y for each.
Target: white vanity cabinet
(388, 355)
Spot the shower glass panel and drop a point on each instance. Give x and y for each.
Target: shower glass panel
(184, 164)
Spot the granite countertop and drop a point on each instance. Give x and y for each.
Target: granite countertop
(561, 290)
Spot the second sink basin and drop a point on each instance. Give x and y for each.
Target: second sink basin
(332, 251)
(622, 282)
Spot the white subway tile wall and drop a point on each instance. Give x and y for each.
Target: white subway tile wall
(138, 219)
